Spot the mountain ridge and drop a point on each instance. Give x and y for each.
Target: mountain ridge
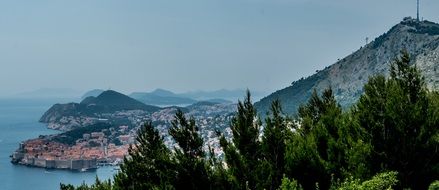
(348, 75)
(94, 93)
(111, 98)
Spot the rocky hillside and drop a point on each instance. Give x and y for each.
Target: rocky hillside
(348, 75)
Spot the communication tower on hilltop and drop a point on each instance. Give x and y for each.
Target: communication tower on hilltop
(417, 10)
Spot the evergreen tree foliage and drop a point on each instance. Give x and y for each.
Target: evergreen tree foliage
(401, 120)
(327, 144)
(273, 148)
(219, 175)
(434, 185)
(191, 168)
(288, 184)
(148, 165)
(381, 181)
(242, 155)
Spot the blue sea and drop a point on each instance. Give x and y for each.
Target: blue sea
(18, 122)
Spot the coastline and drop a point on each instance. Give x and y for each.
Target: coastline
(85, 154)
(57, 168)
(20, 157)
(19, 122)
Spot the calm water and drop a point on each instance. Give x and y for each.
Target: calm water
(18, 122)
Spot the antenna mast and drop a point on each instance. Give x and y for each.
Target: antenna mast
(417, 11)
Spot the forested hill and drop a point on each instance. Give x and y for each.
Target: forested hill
(116, 100)
(107, 102)
(348, 75)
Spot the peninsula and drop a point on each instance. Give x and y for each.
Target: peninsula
(99, 130)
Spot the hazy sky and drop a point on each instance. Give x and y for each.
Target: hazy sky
(184, 44)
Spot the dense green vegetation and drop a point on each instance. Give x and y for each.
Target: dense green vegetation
(424, 27)
(388, 140)
(293, 95)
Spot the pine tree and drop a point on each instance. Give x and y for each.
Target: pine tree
(307, 149)
(191, 162)
(148, 164)
(242, 155)
(402, 119)
(326, 145)
(273, 148)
